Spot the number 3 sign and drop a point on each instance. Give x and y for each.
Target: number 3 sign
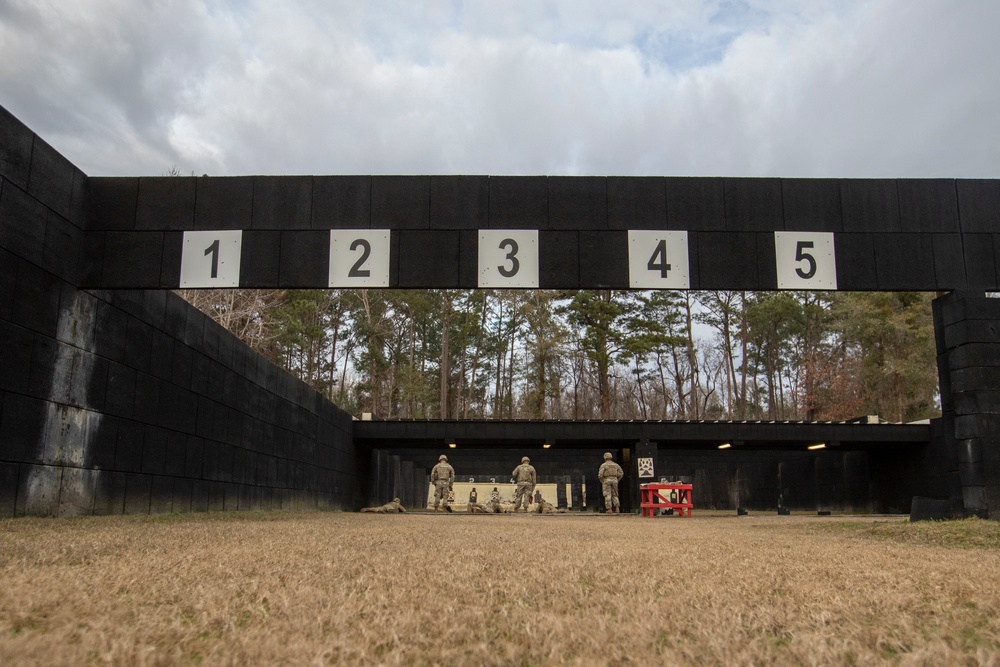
(508, 258)
(805, 260)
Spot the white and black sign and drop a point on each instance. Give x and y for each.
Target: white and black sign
(211, 259)
(805, 260)
(645, 467)
(359, 258)
(658, 260)
(508, 258)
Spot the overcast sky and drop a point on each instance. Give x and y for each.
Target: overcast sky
(881, 88)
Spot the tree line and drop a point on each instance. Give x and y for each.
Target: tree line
(596, 354)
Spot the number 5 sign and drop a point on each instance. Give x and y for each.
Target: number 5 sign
(805, 260)
(211, 259)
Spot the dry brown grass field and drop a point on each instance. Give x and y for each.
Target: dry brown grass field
(422, 589)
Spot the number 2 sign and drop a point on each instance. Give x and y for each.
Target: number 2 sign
(211, 259)
(805, 260)
(359, 258)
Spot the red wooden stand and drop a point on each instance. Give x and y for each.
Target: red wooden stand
(653, 500)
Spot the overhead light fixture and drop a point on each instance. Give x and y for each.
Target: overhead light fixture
(452, 445)
(818, 445)
(546, 445)
(725, 445)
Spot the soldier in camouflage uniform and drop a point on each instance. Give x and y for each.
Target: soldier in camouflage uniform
(542, 506)
(608, 475)
(388, 508)
(442, 477)
(524, 477)
(495, 506)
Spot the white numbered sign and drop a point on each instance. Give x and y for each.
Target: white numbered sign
(211, 259)
(359, 258)
(508, 258)
(658, 260)
(805, 260)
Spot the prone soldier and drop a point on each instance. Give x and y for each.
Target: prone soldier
(388, 508)
(495, 506)
(542, 506)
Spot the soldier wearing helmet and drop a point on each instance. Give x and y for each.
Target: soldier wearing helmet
(524, 477)
(388, 508)
(442, 477)
(608, 475)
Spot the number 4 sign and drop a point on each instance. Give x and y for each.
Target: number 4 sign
(658, 260)
(805, 260)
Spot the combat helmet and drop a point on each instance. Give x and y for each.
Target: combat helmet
(442, 458)
(525, 459)
(607, 456)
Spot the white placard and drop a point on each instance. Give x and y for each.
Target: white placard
(359, 258)
(805, 260)
(508, 258)
(211, 259)
(658, 260)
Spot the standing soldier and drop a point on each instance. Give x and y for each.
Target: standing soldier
(442, 477)
(608, 475)
(524, 477)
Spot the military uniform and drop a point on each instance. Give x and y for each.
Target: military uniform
(388, 508)
(543, 506)
(442, 477)
(495, 506)
(524, 477)
(608, 475)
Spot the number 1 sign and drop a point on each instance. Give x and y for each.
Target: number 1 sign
(359, 258)
(805, 260)
(211, 259)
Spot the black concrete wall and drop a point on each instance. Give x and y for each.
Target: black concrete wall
(133, 401)
(890, 234)
(967, 329)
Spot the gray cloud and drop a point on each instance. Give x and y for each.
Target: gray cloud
(880, 88)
